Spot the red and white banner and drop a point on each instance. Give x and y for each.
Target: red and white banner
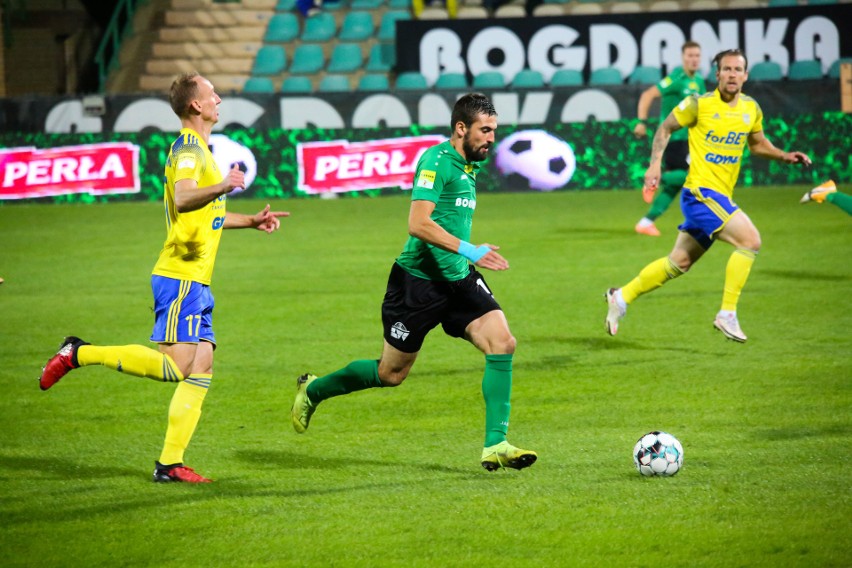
(338, 166)
(98, 169)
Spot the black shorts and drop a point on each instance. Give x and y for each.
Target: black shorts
(676, 155)
(413, 306)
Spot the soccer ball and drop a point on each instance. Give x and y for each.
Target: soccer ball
(658, 453)
(544, 161)
(228, 152)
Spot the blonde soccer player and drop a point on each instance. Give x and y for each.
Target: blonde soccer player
(720, 124)
(195, 197)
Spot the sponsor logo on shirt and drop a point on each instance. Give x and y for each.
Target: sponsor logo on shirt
(719, 159)
(729, 139)
(426, 179)
(187, 163)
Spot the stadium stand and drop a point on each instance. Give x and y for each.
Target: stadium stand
(307, 59)
(373, 82)
(282, 28)
(451, 81)
(259, 85)
(335, 84)
(297, 84)
(345, 58)
(357, 26)
(382, 58)
(270, 60)
(528, 79)
(606, 76)
(804, 70)
(765, 71)
(319, 28)
(645, 75)
(411, 81)
(566, 78)
(489, 80)
(834, 68)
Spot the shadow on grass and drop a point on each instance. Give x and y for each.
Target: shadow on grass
(806, 275)
(61, 468)
(787, 434)
(292, 460)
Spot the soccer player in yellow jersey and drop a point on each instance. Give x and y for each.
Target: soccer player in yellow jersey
(194, 195)
(720, 125)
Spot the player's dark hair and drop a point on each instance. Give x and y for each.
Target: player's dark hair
(469, 107)
(689, 44)
(717, 61)
(183, 90)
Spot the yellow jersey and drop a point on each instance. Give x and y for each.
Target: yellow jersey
(192, 238)
(718, 134)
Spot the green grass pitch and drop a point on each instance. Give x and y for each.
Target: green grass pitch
(391, 477)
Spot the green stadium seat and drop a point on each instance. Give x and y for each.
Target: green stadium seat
(382, 58)
(805, 70)
(528, 79)
(345, 58)
(319, 27)
(282, 28)
(270, 60)
(451, 81)
(357, 26)
(489, 80)
(399, 4)
(308, 58)
(373, 82)
(297, 84)
(834, 68)
(822, 2)
(285, 6)
(765, 71)
(566, 78)
(387, 27)
(411, 81)
(783, 3)
(259, 85)
(645, 75)
(606, 76)
(366, 4)
(335, 84)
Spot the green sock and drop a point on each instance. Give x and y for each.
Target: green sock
(841, 200)
(357, 375)
(497, 390)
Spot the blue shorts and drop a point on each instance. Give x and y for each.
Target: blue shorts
(183, 311)
(706, 212)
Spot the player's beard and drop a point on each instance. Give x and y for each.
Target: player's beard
(471, 153)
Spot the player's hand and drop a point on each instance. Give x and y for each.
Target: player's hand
(796, 158)
(652, 179)
(235, 178)
(267, 220)
(492, 260)
(640, 130)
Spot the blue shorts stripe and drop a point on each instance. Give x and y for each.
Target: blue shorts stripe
(705, 213)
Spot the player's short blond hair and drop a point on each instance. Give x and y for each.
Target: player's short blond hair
(182, 93)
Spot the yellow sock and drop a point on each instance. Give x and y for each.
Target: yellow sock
(650, 278)
(736, 274)
(136, 360)
(184, 413)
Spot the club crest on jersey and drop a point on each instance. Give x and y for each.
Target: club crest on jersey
(426, 179)
(746, 118)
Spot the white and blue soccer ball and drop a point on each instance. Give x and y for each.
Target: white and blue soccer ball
(658, 453)
(228, 152)
(545, 161)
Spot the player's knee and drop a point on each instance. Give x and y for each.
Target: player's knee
(392, 377)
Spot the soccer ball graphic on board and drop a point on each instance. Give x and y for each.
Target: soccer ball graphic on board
(658, 453)
(545, 161)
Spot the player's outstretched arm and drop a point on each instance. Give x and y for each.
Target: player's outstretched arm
(421, 226)
(759, 145)
(265, 220)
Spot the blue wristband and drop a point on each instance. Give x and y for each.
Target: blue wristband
(471, 252)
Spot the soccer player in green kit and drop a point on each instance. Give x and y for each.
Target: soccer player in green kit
(433, 282)
(680, 83)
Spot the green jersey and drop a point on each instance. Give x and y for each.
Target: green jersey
(446, 179)
(676, 87)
